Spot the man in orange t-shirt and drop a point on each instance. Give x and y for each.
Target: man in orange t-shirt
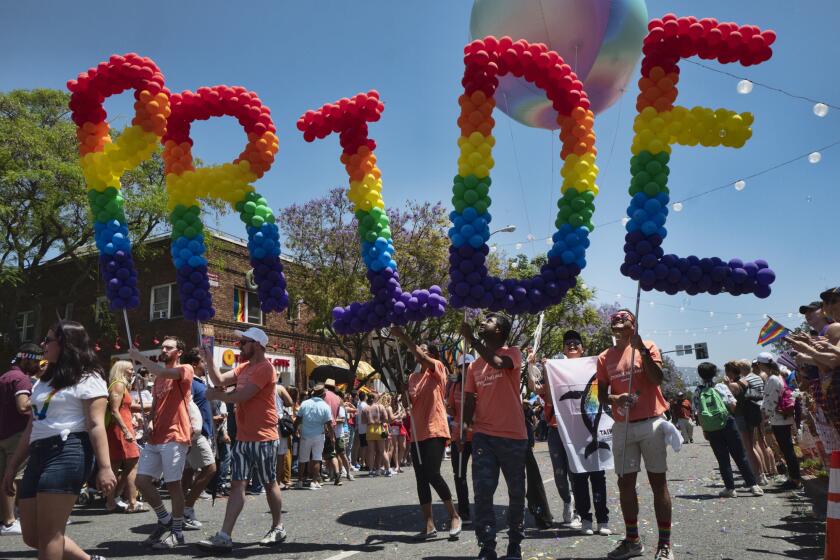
(165, 453)
(431, 430)
(629, 379)
(256, 435)
(493, 408)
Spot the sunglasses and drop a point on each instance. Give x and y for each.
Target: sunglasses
(620, 316)
(244, 341)
(572, 343)
(48, 339)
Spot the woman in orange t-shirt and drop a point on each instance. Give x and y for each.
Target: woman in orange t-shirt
(431, 430)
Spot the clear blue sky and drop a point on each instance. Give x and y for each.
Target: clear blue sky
(299, 55)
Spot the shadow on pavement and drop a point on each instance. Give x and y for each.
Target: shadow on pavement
(407, 518)
(805, 534)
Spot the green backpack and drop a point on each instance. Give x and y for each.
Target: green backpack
(713, 412)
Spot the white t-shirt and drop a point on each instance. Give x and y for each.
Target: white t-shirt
(340, 427)
(62, 412)
(360, 424)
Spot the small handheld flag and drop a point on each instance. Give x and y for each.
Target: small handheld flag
(771, 332)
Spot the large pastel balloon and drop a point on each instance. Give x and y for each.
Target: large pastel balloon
(600, 39)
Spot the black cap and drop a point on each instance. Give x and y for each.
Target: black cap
(813, 306)
(571, 335)
(830, 294)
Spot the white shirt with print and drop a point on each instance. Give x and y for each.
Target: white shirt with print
(58, 413)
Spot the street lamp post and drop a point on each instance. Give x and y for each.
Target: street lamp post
(507, 229)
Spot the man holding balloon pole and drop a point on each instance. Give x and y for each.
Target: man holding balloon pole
(629, 379)
(493, 409)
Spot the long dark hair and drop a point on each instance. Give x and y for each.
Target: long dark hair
(76, 359)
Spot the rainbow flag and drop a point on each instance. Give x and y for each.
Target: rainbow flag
(771, 332)
(239, 305)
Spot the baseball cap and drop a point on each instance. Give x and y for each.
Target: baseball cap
(765, 358)
(830, 294)
(813, 306)
(571, 335)
(255, 334)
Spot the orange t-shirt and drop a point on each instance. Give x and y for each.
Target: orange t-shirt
(425, 389)
(498, 405)
(256, 418)
(548, 409)
(614, 369)
(453, 399)
(171, 412)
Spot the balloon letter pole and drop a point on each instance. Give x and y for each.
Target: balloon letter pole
(660, 124)
(470, 286)
(390, 304)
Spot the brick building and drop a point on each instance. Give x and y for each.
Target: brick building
(73, 290)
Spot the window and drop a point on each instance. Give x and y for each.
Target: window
(165, 303)
(101, 309)
(26, 326)
(246, 307)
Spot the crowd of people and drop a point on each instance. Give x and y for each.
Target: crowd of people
(67, 427)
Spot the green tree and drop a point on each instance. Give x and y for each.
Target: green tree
(43, 198)
(322, 235)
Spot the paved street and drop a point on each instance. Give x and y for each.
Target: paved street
(375, 518)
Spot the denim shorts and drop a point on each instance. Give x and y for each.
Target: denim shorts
(56, 466)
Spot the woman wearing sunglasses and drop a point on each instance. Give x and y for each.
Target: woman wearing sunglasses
(65, 433)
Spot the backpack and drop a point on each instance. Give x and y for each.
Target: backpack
(713, 413)
(285, 425)
(786, 404)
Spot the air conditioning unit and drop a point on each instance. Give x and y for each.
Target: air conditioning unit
(250, 283)
(159, 315)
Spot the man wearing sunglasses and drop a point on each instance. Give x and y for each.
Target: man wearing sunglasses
(256, 434)
(629, 380)
(165, 453)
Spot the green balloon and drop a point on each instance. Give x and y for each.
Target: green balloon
(482, 189)
(250, 207)
(470, 197)
(651, 189)
(578, 204)
(643, 177)
(576, 220)
(480, 206)
(470, 181)
(257, 221)
(564, 213)
(370, 236)
(458, 204)
(458, 190)
(385, 232)
(189, 232)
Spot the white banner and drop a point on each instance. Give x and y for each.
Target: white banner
(584, 426)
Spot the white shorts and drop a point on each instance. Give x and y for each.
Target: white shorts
(645, 440)
(311, 449)
(200, 454)
(282, 446)
(163, 460)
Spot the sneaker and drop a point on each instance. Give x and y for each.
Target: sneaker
(216, 543)
(756, 490)
(514, 552)
(728, 493)
(627, 549)
(663, 552)
(567, 512)
(204, 496)
(604, 529)
(343, 472)
(13, 529)
(389, 473)
(299, 485)
(314, 486)
(487, 554)
(762, 481)
(97, 557)
(577, 522)
(190, 522)
(337, 480)
(350, 477)
(373, 473)
(160, 530)
(586, 527)
(275, 535)
(171, 540)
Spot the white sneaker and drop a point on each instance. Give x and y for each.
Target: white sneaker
(762, 481)
(586, 527)
(756, 490)
(13, 529)
(314, 486)
(604, 529)
(275, 535)
(728, 493)
(389, 473)
(576, 522)
(567, 512)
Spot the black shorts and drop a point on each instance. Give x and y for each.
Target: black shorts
(752, 415)
(57, 466)
(362, 440)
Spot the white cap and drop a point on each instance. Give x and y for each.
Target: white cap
(468, 358)
(765, 358)
(255, 334)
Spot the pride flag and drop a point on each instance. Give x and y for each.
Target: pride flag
(239, 305)
(771, 332)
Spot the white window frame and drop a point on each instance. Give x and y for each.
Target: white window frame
(169, 311)
(248, 320)
(25, 325)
